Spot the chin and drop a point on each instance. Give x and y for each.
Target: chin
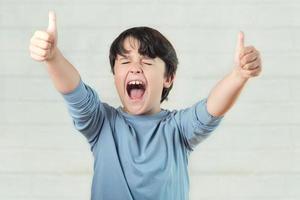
(135, 110)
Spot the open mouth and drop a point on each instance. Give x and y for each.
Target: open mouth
(136, 89)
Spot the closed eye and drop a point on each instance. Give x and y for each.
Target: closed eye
(148, 63)
(125, 63)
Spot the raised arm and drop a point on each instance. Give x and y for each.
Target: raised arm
(225, 93)
(43, 48)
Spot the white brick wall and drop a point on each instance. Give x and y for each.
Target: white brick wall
(255, 153)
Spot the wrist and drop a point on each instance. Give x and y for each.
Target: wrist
(54, 56)
(238, 76)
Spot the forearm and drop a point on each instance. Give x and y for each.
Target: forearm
(225, 93)
(64, 76)
(43, 48)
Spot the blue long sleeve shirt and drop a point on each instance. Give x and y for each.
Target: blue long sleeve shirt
(138, 157)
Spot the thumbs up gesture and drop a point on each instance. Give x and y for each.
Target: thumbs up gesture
(43, 44)
(247, 59)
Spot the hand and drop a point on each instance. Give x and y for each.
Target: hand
(247, 59)
(43, 44)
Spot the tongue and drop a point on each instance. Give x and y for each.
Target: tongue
(136, 93)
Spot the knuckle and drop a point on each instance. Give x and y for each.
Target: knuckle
(249, 48)
(244, 61)
(245, 67)
(241, 54)
(43, 45)
(47, 36)
(253, 73)
(250, 57)
(36, 33)
(48, 45)
(258, 54)
(44, 53)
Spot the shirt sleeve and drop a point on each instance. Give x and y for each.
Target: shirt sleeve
(196, 123)
(86, 110)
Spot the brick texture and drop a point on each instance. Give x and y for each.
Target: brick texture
(253, 155)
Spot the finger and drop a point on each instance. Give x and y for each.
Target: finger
(246, 50)
(42, 35)
(253, 65)
(240, 42)
(38, 51)
(52, 23)
(41, 43)
(254, 72)
(36, 57)
(250, 57)
(258, 72)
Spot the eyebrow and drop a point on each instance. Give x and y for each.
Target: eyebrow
(126, 56)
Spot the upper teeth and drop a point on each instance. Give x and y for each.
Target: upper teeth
(135, 82)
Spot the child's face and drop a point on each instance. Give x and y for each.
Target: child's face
(139, 80)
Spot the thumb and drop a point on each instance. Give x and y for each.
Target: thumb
(240, 42)
(52, 24)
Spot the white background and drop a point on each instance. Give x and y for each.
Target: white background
(254, 154)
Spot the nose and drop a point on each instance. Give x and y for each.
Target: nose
(136, 68)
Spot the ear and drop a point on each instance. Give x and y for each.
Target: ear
(168, 81)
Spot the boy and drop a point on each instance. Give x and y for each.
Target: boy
(140, 150)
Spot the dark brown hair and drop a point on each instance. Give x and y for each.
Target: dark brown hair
(152, 44)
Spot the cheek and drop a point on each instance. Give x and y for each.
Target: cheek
(118, 81)
(118, 76)
(157, 83)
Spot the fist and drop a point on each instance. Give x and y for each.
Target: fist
(247, 59)
(43, 43)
